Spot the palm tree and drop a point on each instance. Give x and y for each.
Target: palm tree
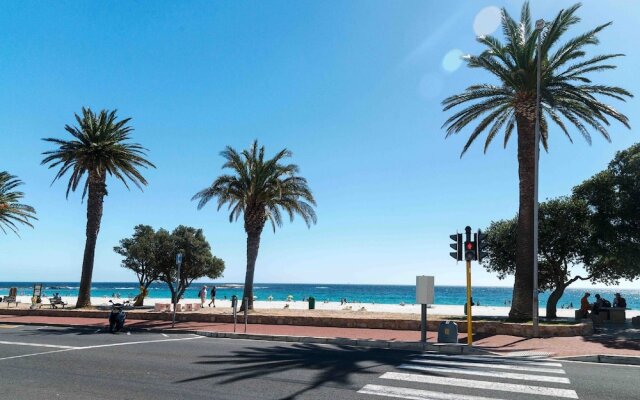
(12, 211)
(568, 98)
(99, 148)
(261, 190)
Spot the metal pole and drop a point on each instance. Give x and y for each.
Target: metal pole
(469, 324)
(423, 323)
(175, 296)
(539, 27)
(234, 305)
(246, 306)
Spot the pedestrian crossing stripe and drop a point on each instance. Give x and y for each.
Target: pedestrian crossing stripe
(495, 359)
(416, 394)
(487, 365)
(475, 384)
(493, 374)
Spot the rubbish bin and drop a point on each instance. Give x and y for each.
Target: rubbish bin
(448, 332)
(312, 303)
(234, 301)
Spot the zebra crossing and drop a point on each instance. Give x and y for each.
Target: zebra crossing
(433, 376)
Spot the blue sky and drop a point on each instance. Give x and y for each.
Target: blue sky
(352, 88)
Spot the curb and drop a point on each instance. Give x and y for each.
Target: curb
(446, 348)
(604, 358)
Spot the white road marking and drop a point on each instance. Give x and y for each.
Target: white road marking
(138, 342)
(55, 346)
(485, 365)
(35, 354)
(128, 333)
(498, 386)
(164, 334)
(71, 348)
(493, 374)
(496, 359)
(416, 394)
(98, 330)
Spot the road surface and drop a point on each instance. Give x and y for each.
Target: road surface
(71, 363)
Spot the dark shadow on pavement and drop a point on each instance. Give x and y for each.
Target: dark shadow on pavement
(335, 363)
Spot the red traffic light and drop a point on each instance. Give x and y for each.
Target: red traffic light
(469, 246)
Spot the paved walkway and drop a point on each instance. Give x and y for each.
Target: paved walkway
(612, 343)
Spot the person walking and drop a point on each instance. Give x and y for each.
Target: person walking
(213, 297)
(203, 296)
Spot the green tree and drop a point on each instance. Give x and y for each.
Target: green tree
(12, 211)
(197, 261)
(613, 195)
(99, 147)
(139, 252)
(568, 97)
(564, 231)
(260, 190)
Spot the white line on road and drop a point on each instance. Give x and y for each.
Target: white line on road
(498, 386)
(495, 359)
(493, 374)
(55, 346)
(416, 394)
(70, 348)
(492, 366)
(138, 342)
(164, 334)
(97, 330)
(128, 333)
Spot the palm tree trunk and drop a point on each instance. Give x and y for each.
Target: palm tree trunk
(97, 191)
(253, 245)
(522, 302)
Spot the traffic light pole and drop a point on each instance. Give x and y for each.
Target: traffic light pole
(469, 328)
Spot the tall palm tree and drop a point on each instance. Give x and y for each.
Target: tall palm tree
(262, 190)
(12, 212)
(568, 98)
(99, 148)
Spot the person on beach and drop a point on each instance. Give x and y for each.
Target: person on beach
(584, 305)
(203, 296)
(619, 301)
(213, 297)
(465, 306)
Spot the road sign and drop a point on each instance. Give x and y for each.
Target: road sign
(179, 258)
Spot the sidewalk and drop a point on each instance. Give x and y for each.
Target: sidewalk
(502, 344)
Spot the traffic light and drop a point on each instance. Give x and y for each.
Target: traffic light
(481, 243)
(457, 246)
(470, 250)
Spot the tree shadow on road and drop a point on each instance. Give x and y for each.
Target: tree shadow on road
(335, 363)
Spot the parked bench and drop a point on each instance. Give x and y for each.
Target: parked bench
(9, 300)
(54, 302)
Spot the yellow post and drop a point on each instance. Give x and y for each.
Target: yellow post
(469, 328)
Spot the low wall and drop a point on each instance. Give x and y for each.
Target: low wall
(479, 327)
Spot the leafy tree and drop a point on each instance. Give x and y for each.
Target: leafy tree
(568, 97)
(197, 261)
(12, 211)
(564, 230)
(139, 252)
(99, 147)
(260, 190)
(613, 196)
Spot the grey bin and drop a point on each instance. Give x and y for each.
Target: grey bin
(448, 332)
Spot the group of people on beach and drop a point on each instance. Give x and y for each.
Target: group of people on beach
(203, 296)
(601, 304)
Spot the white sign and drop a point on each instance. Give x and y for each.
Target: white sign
(179, 258)
(424, 290)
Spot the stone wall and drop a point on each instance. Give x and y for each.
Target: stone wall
(480, 327)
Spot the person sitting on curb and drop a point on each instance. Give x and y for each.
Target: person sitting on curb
(619, 301)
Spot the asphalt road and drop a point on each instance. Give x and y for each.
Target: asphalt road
(67, 363)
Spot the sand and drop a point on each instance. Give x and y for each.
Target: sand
(332, 308)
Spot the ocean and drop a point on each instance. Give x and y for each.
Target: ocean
(379, 294)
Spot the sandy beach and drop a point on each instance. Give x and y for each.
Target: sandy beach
(335, 307)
